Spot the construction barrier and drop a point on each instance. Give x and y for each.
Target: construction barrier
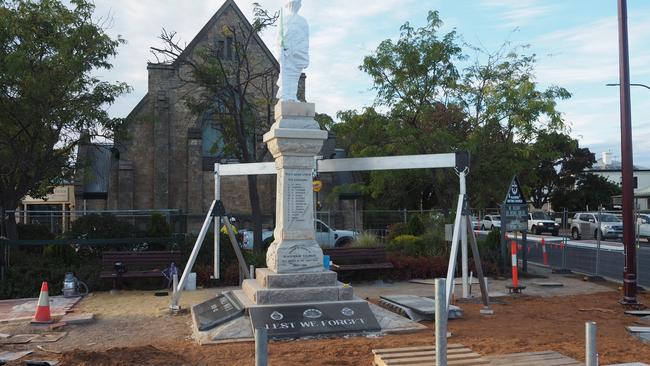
(515, 275)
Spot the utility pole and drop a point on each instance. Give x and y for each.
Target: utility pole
(629, 276)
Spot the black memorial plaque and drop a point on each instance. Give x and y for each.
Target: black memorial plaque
(217, 311)
(294, 321)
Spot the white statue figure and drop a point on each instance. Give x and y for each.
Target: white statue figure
(293, 50)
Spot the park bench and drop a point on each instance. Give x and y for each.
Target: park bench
(358, 259)
(126, 265)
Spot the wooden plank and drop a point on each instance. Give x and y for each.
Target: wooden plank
(467, 358)
(546, 358)
(387, 356)
(410, 349)
(457, 355)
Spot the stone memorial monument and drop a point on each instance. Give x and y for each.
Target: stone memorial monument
(296, 296)
(296, 281)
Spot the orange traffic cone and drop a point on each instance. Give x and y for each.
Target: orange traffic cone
(43, 315)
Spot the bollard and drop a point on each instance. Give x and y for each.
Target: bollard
(544, 254)
(590, 343)
(261, 347)
(515, 275)
(251, 272)
(441, 322)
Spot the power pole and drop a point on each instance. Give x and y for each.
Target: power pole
(629, 276)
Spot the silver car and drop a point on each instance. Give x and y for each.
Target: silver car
(585, 225)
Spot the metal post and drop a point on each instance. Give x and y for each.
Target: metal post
(441, 322)
(599, 235)
(251, 272)
(504, 244)
(629, 276)
(524, 252)
(217, 224)
(453, 256)
(463, 238)
(590, 344)
(175, 297)
(564, 246)
(196, 249)
(261, 347)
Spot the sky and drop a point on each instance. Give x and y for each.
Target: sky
(576, 43)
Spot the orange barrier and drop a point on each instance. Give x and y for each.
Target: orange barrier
(515, 276)
(544, 252)
(43, 315)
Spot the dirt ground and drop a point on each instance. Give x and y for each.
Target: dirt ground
(128, 334)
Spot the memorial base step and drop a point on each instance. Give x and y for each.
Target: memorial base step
(270, 279)
(261, 295)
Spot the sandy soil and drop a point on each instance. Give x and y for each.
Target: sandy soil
(524, 324)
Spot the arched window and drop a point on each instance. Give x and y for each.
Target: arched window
(211, 131)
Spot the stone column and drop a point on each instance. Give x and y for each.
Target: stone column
(294, 140)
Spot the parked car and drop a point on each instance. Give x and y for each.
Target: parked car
(327, 237)
(644, 226)
(585, 224)
(540, 222)
(491, 222)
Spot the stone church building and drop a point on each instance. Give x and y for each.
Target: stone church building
(166, 156)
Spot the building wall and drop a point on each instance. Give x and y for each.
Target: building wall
(642, 176)
(160, 162)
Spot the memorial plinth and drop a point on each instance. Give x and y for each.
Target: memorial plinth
(294, 139)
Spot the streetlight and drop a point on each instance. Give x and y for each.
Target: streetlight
(641, 85)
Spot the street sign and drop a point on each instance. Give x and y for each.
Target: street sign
(514, 216)
(515, 195)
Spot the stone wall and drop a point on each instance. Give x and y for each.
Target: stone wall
(160, 161)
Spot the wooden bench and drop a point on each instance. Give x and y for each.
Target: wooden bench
(137, 264)
(358, 259)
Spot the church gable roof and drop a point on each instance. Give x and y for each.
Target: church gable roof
(203, 33)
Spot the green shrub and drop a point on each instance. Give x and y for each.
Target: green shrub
(34, 232)
(490, 247)
(28, 270)
(407, 245)
(434, 243)
(103, 226)
(366, 240)
(396, 230)
(415, 225)
(158, 227)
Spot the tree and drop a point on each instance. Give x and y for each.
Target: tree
(49, 54)
(590, 192)
(508, 113)
(493, 108)
(556, 161)
(414, 78)
(236, 87)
